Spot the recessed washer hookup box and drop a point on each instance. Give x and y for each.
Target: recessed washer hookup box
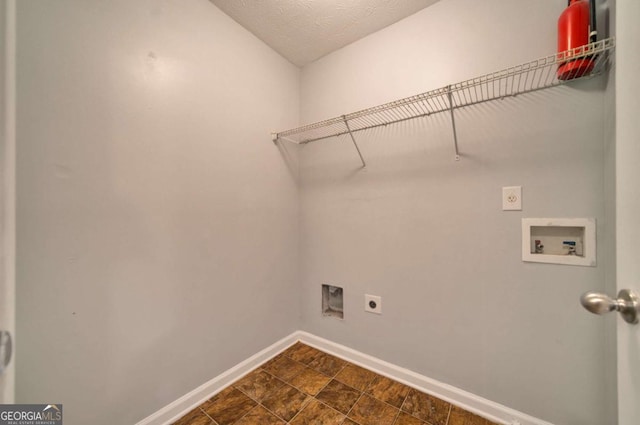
(568, 241)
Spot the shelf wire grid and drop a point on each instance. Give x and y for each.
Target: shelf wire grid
(532, 76)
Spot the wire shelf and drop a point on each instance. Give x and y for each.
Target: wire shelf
(583, 62)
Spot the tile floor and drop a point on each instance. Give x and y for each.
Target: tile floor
(305, 386)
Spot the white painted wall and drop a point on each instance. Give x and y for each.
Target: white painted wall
(428, 234)
(158, 227)
(157, 223)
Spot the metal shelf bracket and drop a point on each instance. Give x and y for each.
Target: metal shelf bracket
(453, 123)
(287, 139)
(353, 139)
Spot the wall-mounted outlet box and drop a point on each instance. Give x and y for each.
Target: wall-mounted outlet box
(570, 241)
(332, 301)
(373, 304)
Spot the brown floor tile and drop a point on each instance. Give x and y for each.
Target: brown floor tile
(426, 407)
(228, 406)
(388, 390)
(310, 381)
(462, 417)
(284, 368)
(271, 364)
(260, 416)
(327, 364)
(272, 360)
(286, 402)
(293, 402)
(258, 384)
(195, 417)
(339, 396)
(316, 413)
(369, 411)
(355, 376)
(302, 353)
(406, 419)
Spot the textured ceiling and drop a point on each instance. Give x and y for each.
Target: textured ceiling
(305, 30)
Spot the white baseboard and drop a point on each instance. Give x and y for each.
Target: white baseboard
(466, 400)
(187, 402)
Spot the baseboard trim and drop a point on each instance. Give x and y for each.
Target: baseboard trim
(172, 412)
(466, 400)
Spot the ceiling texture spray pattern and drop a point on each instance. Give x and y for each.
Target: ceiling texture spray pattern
(305, 30)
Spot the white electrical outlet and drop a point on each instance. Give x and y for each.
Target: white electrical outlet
(512, 198)
(373, 304)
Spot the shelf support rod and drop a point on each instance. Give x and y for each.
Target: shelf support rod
(353, 139)
(275, 137)
(286, 139)
(453, 123)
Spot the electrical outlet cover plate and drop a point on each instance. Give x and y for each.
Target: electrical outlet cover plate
(512, 198)
(373, 304)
